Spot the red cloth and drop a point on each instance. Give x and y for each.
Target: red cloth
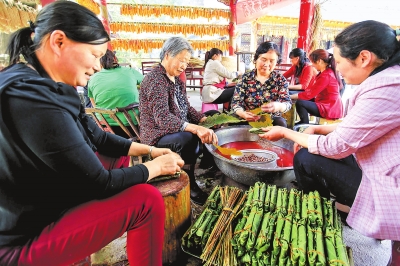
(220, 85)
(306, 75)
(113, 163)
(325, 89)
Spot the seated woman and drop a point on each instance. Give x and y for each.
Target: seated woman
(215, 88)
(358, 159)
(322, 97)
(167, 119)
(263, 87)
(301, 72)
(115, 86)
(58, 203)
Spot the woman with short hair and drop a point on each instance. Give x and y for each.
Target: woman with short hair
(263, 87)
(166, 117)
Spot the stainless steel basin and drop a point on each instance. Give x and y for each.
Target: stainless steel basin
(245, 173)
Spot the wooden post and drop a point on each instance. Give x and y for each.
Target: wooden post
(305, 20)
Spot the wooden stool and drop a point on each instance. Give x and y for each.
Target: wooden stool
(176, 195)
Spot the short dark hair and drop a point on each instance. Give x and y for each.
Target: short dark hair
(77, 22)
(265, 47)
(109, 60)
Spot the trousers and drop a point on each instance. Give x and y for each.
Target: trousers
(86, 228)
(339, 177)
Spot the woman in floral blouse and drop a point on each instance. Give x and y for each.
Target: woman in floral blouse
(263, 87)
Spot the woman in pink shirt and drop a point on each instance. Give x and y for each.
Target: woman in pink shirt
(358, 160)
(322, 97)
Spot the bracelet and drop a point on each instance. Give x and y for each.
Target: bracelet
(151, 149)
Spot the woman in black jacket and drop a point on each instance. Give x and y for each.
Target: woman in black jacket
(58, 204)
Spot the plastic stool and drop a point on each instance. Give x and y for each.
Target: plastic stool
(208, 106)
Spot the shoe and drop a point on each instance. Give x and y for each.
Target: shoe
(198, 197)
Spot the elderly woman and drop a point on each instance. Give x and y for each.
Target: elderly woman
(166, 118)
(58, 203)
(358, 159)
(263, 87)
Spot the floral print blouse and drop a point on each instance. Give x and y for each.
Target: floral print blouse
(250, 93)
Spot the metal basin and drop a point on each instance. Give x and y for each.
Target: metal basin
(250, 174)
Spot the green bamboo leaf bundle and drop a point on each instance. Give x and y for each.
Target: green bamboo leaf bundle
(209, 228)
(331, 246)
(276, 244)
(282, 201)
(219, 119)
(267, 198)
(264, 243)
(242, 222)
(315, 246)
(302, 241)
(285, 240)
(258, 202)
(274, 196)
(328, 212)
(341, 252)
(318, 208)
(202, 228)
(294, 199)
(302, 231)
(255, 228)
(314, 206)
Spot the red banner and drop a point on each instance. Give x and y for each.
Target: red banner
(248, 10)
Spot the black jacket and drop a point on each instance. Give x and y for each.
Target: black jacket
(47, 159)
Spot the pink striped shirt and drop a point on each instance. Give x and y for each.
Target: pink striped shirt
(371, 131)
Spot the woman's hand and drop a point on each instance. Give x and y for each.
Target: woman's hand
(248, 116)
(156, 152)
(206, 135)
(272, 107)
(167, 164)
(273, 133)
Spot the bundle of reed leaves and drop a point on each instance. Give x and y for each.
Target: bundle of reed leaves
(218, 249)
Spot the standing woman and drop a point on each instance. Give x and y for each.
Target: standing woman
(358, 159)
(263, 87)
(322, 97)
(214, 81)
(301, 72)
(58, 204)
(167, 120)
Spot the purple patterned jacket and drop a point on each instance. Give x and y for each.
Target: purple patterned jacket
(159, 114)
